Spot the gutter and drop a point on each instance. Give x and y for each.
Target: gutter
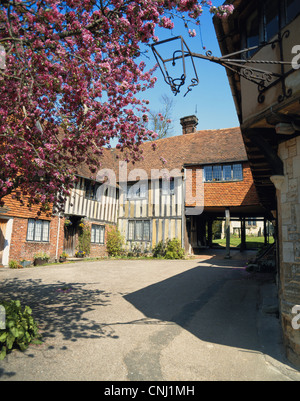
(57, 238)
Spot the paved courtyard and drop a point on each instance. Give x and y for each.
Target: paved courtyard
(148, 320)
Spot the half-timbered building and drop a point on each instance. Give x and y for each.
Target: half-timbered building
(175, 191)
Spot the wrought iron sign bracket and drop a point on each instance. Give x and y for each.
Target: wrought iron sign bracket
(247, 68)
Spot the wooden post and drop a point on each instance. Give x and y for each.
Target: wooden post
(243, 234)
(209, 231)
(227, 233)
(265, 231)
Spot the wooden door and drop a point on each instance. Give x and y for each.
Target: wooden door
(71, 235)
(2, 237)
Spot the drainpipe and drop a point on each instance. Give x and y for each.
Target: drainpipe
(57, 238)
(182, 209)
(227, 231)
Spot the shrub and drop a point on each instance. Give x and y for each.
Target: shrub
(171, 249)
(114, 241)
(41, 255)
(13, 264)
(20, 328)
(174, 249)
(159, 250)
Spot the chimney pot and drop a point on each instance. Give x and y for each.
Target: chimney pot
(189, 124)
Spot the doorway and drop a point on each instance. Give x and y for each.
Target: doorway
(71, 230)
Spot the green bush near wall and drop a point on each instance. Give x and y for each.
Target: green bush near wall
(20, 328)
(170, 249)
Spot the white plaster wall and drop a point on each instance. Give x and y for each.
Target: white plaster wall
(8, 232)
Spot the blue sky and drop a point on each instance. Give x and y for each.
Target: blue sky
(211, 101)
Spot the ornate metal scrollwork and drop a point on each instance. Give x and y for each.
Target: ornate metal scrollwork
(246, 68)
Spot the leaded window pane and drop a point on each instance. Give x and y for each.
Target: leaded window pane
(146, 230)
(227, 173)
(237, 171)
(208, 173)
(139, 230)
(131, 230)
(30, 230)
(217, 173)
(38, 231)
(45, 233)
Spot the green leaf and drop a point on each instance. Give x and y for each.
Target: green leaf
(14, 331)
(3, 337)
(10, 341)
(23, 346)
(10, 324)
(36, 341)
(18, 304)
(2, 353)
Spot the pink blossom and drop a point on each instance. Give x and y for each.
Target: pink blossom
(75, 83)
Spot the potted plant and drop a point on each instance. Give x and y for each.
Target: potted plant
(63, 257)
(25, 263)
(68, 222)
(40, 258)
(80, 254)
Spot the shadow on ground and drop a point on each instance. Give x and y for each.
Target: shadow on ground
(59, 308)
(223, 311)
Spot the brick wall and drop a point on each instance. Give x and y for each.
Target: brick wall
(288, 198)
(22, 249)
(239, 193)
(98, 250)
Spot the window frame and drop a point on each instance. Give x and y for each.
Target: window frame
(34, 231)
(90, 189)
(263, 37)
(167, 186)
(141, 190)
(132, 231)
(99, 227)
(210, 168)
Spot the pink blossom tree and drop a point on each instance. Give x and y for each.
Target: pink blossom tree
(69, 85)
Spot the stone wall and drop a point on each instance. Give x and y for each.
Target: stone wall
(289, 239)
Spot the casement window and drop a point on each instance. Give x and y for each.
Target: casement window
(137, 190)
(266, 20)
(251, 221)
(292, 9)
(252, 31)
(90, 189)
(223, 173)
(138, 230)
(97, 234)
(167, 186)
(38, 230)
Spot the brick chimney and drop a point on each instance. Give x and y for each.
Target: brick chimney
(189, 124)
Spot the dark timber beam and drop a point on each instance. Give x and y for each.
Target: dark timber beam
(257, 138)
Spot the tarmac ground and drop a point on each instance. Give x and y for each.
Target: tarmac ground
(205, 319)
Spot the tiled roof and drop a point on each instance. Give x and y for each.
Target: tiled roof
(201, 147)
